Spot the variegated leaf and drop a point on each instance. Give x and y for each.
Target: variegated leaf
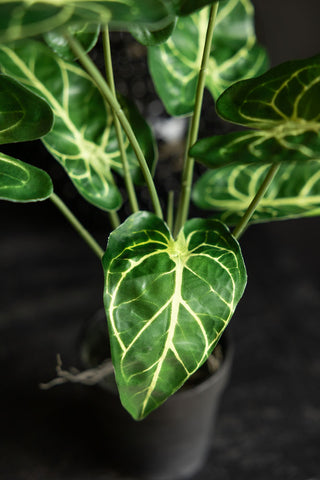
(24, 18)
(283, 104)
(20, 182)
(284, 98)
(167, 302)
(83, 137)
(293, 193)
(23, 115)
(235, 54)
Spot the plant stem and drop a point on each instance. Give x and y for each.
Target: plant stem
(170, 209)
(96, 76)
(77, 225)
(187, 174)
(114, 219)
(110, 79)
(239, 229)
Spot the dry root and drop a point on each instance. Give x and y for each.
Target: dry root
(92, 376)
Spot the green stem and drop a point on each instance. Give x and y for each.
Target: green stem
(239, 229)
(114, 219)
(96, 76)
(170, 209)
(187, 174)
(110, 78)
(77, 225)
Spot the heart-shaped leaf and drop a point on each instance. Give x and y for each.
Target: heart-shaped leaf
(283, 103)
(175, 65)
(167, 303)
(21, 19)
(293, 193)
(20, 182)
(86, 34)
(23, 115)
(83, 138)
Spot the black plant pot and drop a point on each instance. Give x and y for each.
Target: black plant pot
(173, 441)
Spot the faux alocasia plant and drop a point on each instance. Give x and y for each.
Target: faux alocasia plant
(171, 284)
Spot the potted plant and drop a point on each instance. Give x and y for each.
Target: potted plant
(171, 284)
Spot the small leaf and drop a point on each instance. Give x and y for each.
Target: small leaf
(167, 303)
(150, 38)
(175, 65)
(23, 115)
(86, 34)
(20, 182)
(293, 193)
(283, 103)
(83, 138)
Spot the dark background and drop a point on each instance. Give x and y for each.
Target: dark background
(51, 283)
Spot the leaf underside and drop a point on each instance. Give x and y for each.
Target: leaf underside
(167, 303)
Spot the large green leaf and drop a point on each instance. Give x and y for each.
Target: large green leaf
(175, 65)
(20, 182)
(83, 138)
(287, 96)
(293, 193)
(23, 115)
(283, 104)
(24, 18)
(167, 303)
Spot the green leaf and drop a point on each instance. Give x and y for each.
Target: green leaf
(283, 103)
(147, 37)
(20, 182)
(21, 19)
(175, 65)
(265, 146)
(293, 193)
(83, 138)
(85, 33)
(23, 115)
(167, 303)
(284, 98)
